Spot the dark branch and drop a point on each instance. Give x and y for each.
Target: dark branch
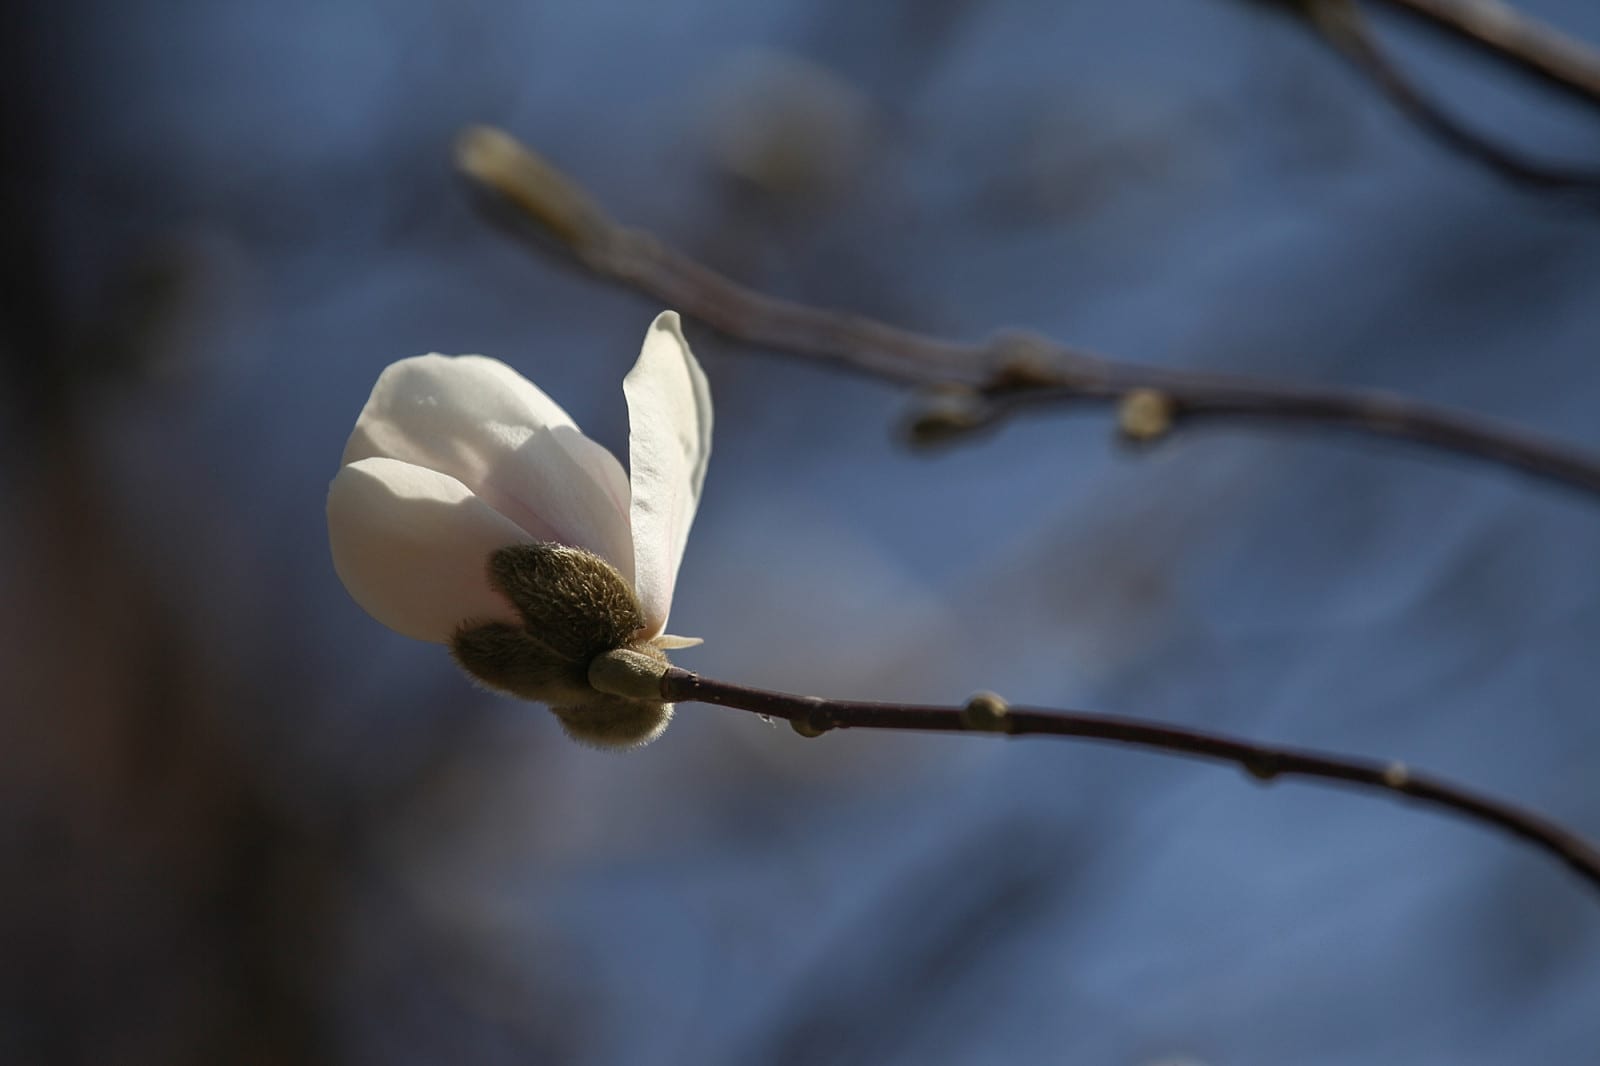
(983, 384)
(1341, 24)
(813, 716)
(1506, 35)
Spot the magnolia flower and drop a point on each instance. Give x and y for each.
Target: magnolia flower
(471, 511)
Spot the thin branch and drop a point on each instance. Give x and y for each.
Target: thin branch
(1341, 24)
(1520, 41)
(985, 713)
(1371, 413)
(979, 385)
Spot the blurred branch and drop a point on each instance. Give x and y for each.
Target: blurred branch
(1491, 26)
(976, 386)
(1503, 33)
(986, 713)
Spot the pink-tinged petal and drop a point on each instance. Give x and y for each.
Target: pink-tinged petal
(493, 430)
(669, 416)
(412, 546)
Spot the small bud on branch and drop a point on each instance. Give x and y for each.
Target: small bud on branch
(987, 713)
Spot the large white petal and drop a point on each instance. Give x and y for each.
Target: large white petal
(412, 546)
(493, 430)
(669, 442)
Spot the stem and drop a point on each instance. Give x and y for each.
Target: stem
(994, 380)
(1369, 412)
(1341, 24)
(1503, 33)
(813, 715)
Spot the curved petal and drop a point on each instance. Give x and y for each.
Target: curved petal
(493, 430)
(412, 546)
(669, 442)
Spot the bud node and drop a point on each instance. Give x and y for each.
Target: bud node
(629, 672)
(987, 712)
(1145, 415)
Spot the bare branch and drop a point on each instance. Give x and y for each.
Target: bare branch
(986, 713)
(1341, 24)
(978, 386)
(1503, 33)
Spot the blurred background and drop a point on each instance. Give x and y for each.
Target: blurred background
(242, 822)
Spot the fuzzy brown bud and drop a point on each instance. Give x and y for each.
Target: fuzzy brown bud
(576, 611)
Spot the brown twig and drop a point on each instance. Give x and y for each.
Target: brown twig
(985, 713)
(981, 384)
(1509, 36)
(1341, 24)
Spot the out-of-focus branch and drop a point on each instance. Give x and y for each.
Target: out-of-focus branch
(977, 386)
(1505, 34)
(986, 713)
(1494, 29)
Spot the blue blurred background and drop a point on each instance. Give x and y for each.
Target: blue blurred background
(242, 822)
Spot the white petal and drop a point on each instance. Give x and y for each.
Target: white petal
(493, 430)
(669, 442)
(412, 546)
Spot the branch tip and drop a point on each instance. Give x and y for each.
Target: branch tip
(503, 165)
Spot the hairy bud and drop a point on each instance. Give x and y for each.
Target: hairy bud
(633, 672)
(575, 609)
(613, 722)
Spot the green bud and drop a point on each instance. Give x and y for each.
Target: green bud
(987, 712)
(1145, 415)
(512, 660)
(1261, 767)
(948, 411)
(633, 672)
(614, 722)
(806, 728)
